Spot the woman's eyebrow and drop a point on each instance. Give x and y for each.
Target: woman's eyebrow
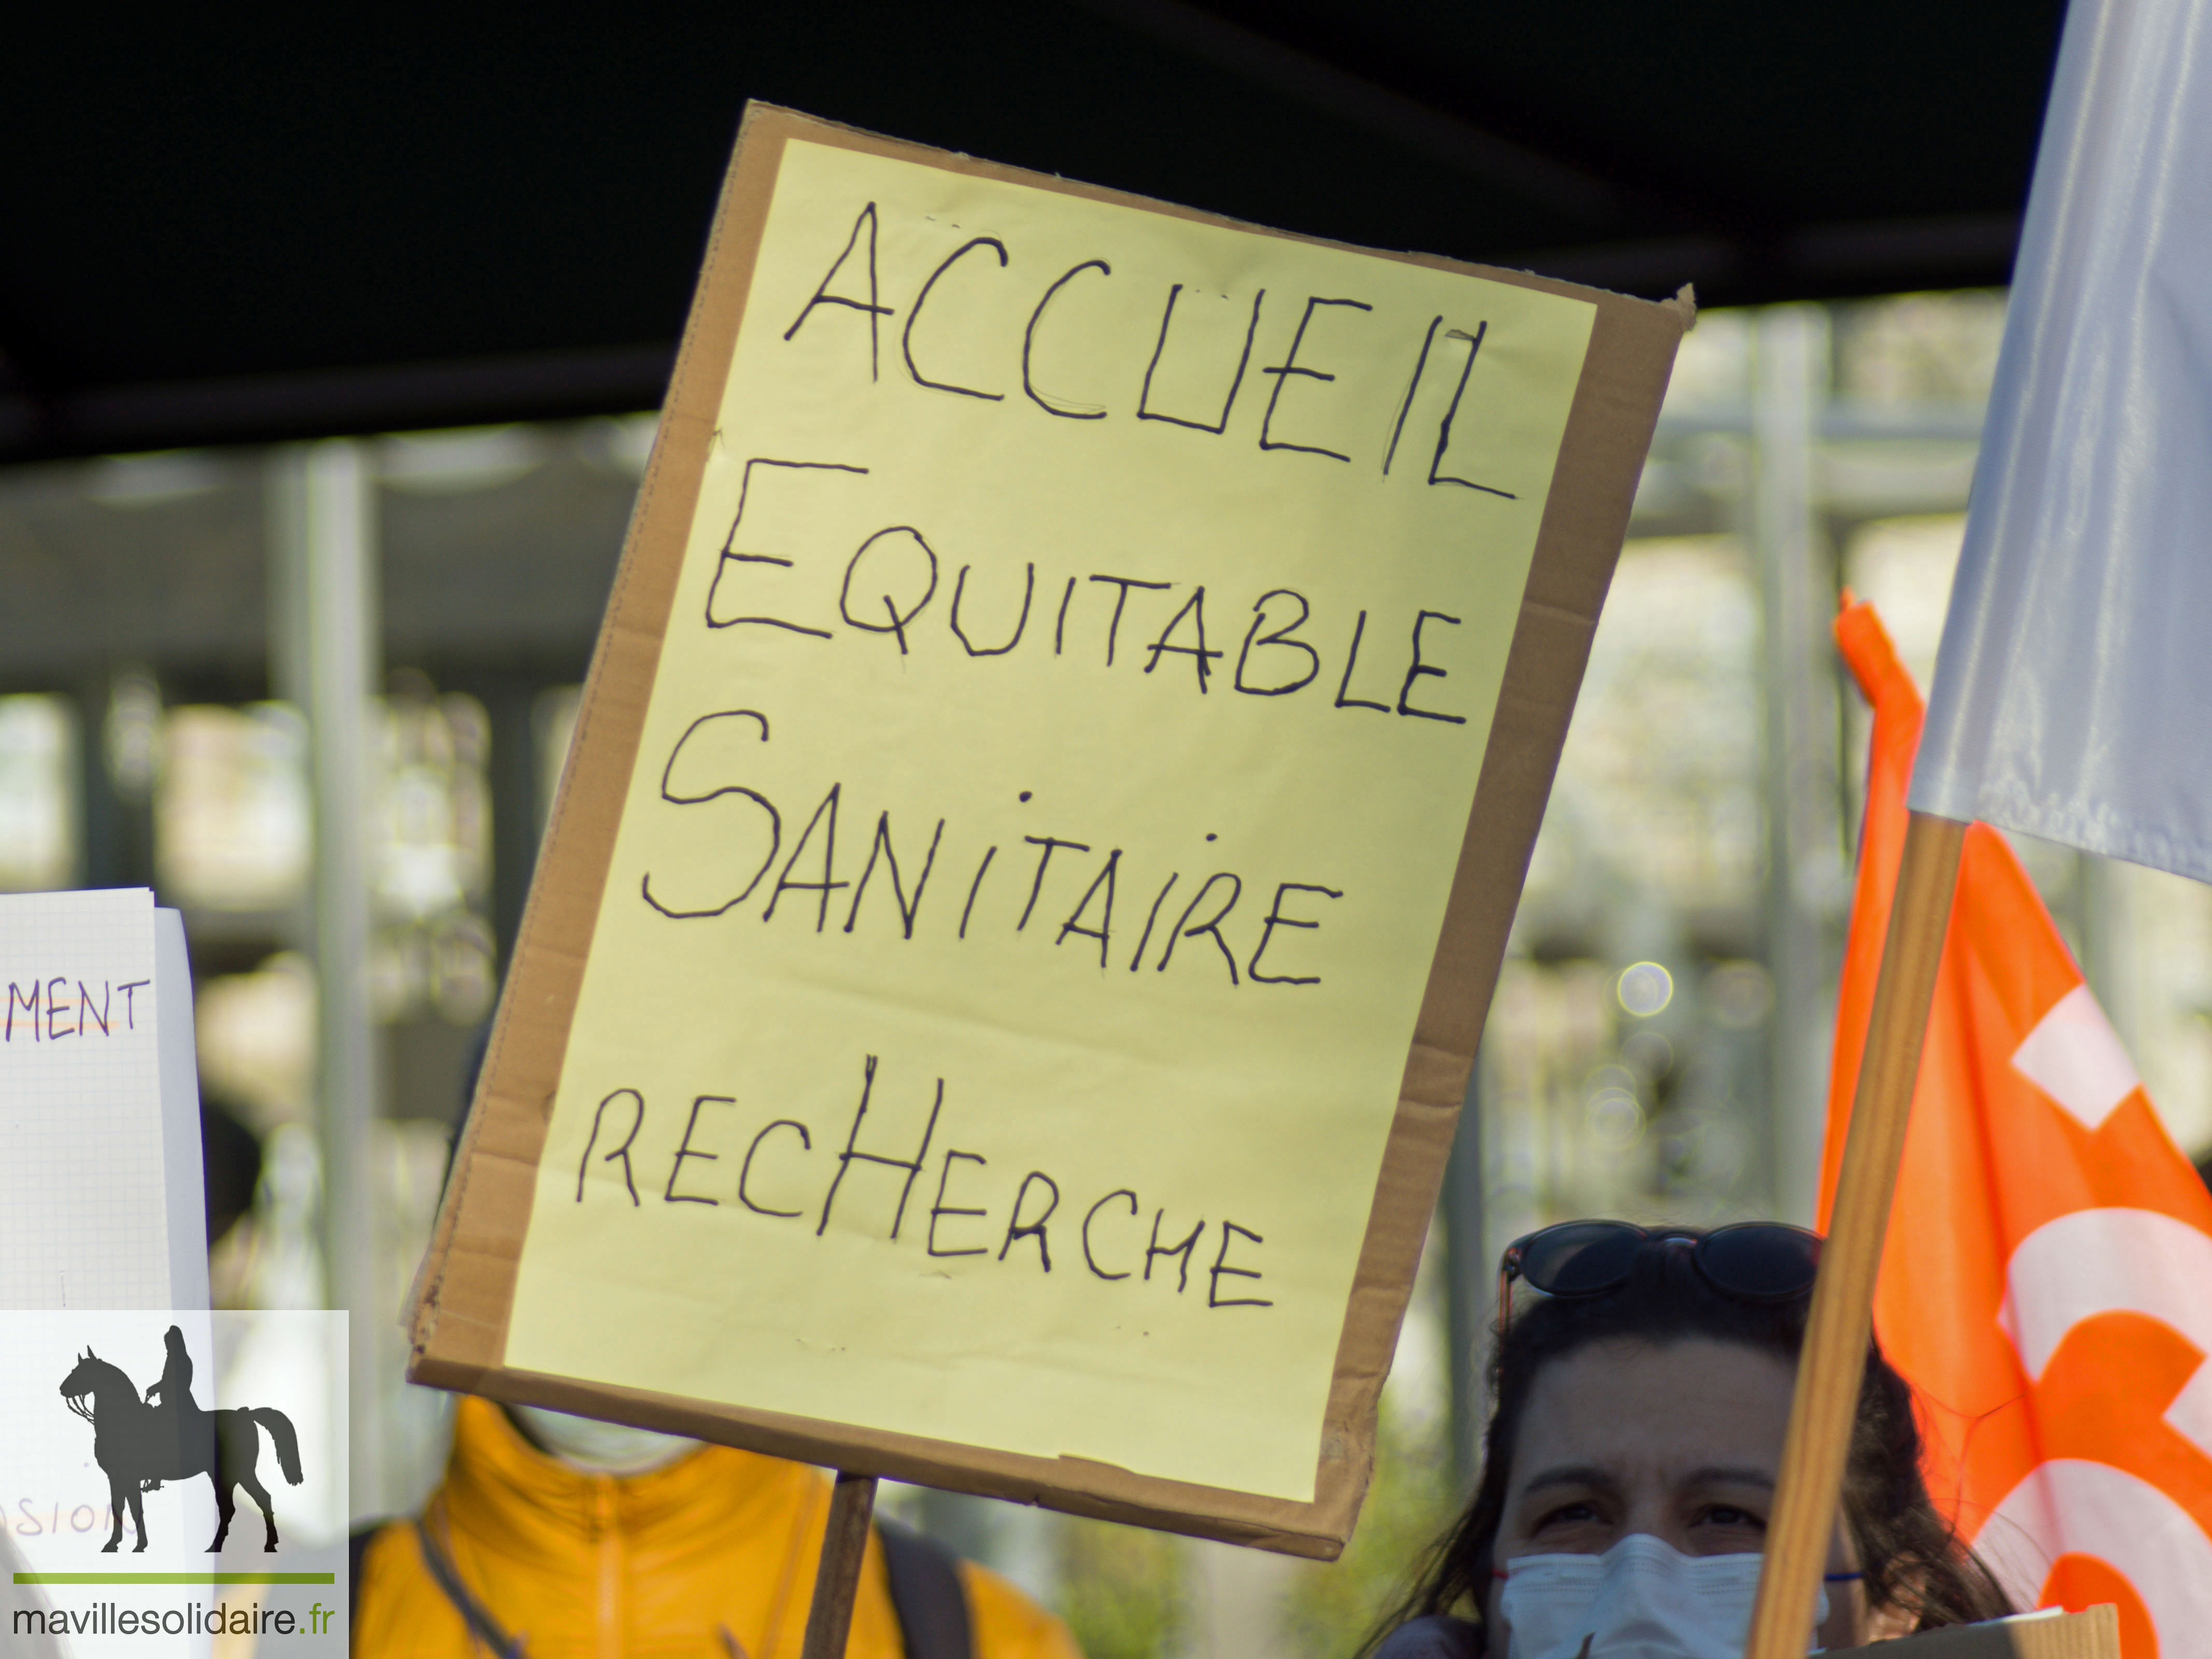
(1572, 1474)
(1719, 1474)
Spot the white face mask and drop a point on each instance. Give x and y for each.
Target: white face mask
(1640, 1599)
(602, 1448)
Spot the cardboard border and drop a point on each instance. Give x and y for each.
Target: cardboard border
(2092, 1634)
(467, 1286)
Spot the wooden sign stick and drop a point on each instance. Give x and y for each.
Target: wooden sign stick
(844, 1543)
(1811, 1478)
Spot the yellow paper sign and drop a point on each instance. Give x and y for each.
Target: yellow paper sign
(1061, 749)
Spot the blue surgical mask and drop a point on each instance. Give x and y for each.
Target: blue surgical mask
(1642, 1599)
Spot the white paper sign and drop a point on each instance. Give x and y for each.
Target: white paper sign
(100, 1204)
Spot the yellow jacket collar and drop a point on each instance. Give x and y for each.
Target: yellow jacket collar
(513, 1498)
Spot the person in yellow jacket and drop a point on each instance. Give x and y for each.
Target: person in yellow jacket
(587, 1541)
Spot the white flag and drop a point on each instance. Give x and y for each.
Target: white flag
(2073, 697)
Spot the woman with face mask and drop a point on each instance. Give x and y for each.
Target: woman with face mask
(1641, 1394)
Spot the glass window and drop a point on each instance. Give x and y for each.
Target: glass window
(433, 949)
(38, 812)
(232, 816)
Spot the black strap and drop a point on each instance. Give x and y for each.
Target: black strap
(356, 1553)
(482, 1626)
(927, 1593)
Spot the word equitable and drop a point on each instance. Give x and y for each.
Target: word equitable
(892, 579)
(1111, 1236)
(65, 1016)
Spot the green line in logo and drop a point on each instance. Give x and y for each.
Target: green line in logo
(176, 1578)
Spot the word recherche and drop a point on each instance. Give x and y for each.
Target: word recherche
(1111, 1238)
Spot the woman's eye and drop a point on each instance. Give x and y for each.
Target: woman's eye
(1727, 1514)
(1569, 1515)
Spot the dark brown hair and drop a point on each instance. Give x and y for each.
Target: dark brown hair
(1911, 1556)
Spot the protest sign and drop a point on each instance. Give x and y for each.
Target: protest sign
(1069, 728)
(100, 1198)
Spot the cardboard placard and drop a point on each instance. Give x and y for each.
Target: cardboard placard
(1052, 791)
(2092, 1634)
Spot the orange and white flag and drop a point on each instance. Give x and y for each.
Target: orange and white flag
(2047, 1285)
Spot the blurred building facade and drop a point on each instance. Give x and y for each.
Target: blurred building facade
(204, 657)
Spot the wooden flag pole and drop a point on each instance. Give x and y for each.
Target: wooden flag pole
(844, 1542)
(1811, 1478)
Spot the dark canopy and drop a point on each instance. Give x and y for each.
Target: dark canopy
(297, 220)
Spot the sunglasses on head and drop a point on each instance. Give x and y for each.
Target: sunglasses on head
(1750, 1260)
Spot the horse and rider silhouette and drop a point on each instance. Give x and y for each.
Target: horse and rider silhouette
(140, 1444)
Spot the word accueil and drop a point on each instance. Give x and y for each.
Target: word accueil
(766, 1168)
(1057, 306)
